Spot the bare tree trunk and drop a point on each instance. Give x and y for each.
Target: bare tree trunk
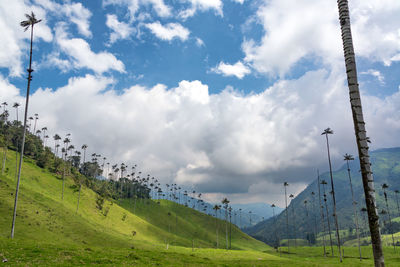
(287, 220)
(79, 197)
(322, 215)
(334, 200)
(4, 159)
(355, 211)
(360, 132)
(30, 70)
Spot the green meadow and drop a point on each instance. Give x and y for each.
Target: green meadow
(49, 231)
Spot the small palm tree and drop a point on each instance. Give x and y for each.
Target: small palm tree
(216, 208)
(225, 202)
(347, 158)
(275, 227)
(326, 132)
(291, 196)
(397, 200)
(36, 118)
(323, 182)
(384, 187)
(321, 208)
(285, 184)
(26, 24)
(16, 105)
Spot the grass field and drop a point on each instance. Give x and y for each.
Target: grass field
(49, 232)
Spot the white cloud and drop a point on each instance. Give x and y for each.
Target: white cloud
(14, 41)
(81, 56)
(309, 29)
(238, 1)
(199, 42)
(225, 143)
(376, 73)
(75, 12)
(238, 69)
(202, 5)
(169, 31)
(120, 30)
(133, 6)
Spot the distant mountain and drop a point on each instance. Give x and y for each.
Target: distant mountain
(259, 212)
(386, 169)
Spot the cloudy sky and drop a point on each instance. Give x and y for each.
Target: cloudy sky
(228, 97)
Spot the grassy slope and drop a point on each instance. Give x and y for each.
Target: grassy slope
(48, 232)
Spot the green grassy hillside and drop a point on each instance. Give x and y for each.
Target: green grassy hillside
(43, 218)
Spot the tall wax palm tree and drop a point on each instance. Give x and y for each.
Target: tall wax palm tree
(16, 105)
(216, 208)
(360, 132)
(347, 158)
(275, 227)
(323, 182)
(315, 214)
(384, 187)
(36, 118)
(307, 220)
(26, 24)
(321, 207)
(285, 184)
(397, 200)
(225, 202)
(44, 129)
(84, 147)
(56, 138)
(326, 132)
(30, 124)
(64, 156)
(291, 196)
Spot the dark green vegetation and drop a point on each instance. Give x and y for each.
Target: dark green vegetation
(386, 166)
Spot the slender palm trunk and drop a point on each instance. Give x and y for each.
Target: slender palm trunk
(216, 225)
(226, 226)
(397, 202)
(30, 70)
(4, 159)
(16, 151)
(63, 176)
(360, 132)
(322, 215)
(287, 220)
(79, 197)
(355, 211)
(294, 226)
(334, 200)
(390, 220)
(327, 218)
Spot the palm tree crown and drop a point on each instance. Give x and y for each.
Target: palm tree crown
(30, 22)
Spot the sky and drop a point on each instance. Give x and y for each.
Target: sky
(228, 98)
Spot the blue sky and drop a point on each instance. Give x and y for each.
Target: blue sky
(228, 97)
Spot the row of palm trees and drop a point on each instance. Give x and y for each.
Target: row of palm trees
(325, 213)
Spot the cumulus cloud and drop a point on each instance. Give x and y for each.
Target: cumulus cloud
(202, 5)
(168, 31)
(161, 9)
(238, 69)
(227, 143)
(14, 41)
(120, 30)
(75, 12)
(309, 29)
(80, 54)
